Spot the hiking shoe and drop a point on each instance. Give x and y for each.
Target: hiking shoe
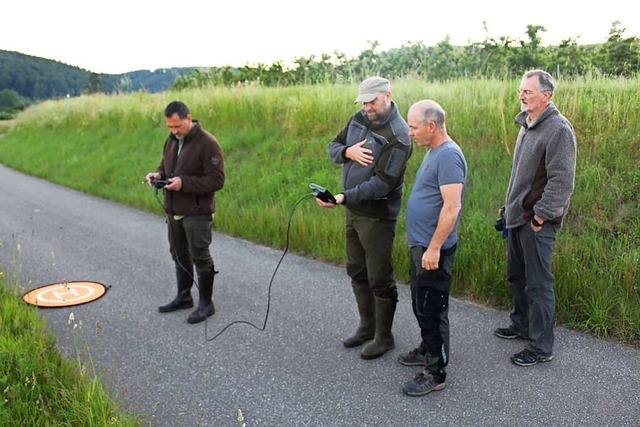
(422, 384)
(528, 358)
(412, 358)
(508, 334)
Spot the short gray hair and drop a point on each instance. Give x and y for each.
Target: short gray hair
(545, 80)
(431, 111)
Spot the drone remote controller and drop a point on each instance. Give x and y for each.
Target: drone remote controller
(322, 194)
(159, 183)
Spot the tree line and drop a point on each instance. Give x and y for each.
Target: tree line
(25, 79)
(503, 57)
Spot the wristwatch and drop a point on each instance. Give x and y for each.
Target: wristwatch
(536, 223)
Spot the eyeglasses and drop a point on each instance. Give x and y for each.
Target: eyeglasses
(526, 92)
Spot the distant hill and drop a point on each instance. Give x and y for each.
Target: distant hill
(36, 78)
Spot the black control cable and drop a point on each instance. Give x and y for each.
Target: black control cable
(315, 193)
(266, 316)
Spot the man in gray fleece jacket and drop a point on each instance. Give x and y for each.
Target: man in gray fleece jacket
(541, 184)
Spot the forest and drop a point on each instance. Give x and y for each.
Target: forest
(26, 79)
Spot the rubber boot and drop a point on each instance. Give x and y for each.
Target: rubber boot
(183, 299)
(205, 303)
(366, 308)
(383, 340)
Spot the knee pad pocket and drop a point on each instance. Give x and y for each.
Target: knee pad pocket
(430, 301)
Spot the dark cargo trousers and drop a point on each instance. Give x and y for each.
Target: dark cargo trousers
(369, 244)
(430, 300)
(530, 278)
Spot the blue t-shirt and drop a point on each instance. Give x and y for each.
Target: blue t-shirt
(443, 165)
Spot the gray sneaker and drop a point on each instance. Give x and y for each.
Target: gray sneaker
(412, 358)
(421, 384)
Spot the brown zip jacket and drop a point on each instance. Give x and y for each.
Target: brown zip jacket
(200, 166)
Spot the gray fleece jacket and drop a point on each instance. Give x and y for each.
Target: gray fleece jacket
(544, 166)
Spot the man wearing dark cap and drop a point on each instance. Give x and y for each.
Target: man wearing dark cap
(373, 148)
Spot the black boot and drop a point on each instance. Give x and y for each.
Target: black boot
(184, 278)
(366, 309)
(383, 340)
(205, 303)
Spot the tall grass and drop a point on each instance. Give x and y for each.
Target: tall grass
(38, 387)
(5, 125)
(275, 141)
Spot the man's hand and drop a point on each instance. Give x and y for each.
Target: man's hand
(174, 184)
(359, 154)
(537, 219)
(339, 201)
(431, 258)
(151, 176)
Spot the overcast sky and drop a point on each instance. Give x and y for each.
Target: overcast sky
(127, 35)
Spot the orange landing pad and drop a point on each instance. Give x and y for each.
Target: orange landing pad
(65, 294)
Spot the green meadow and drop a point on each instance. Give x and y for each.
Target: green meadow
(275, 142)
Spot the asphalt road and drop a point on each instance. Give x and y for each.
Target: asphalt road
(295, 372)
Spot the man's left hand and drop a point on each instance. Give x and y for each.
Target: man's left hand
(539, 220)
(174, 184)
(431, 259)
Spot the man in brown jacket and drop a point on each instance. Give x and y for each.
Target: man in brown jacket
(191, 171)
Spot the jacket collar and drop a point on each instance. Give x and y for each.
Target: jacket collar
(521, 118)
(195, 129)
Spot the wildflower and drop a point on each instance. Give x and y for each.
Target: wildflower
(71, 318)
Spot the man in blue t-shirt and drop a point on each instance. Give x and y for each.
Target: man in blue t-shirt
(432, 216)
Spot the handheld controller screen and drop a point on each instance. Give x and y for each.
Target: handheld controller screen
(322, 193)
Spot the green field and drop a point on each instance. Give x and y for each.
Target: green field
(275, 141)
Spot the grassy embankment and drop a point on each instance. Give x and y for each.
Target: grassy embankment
(38, 387)
(5, 125)
(275, 142)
